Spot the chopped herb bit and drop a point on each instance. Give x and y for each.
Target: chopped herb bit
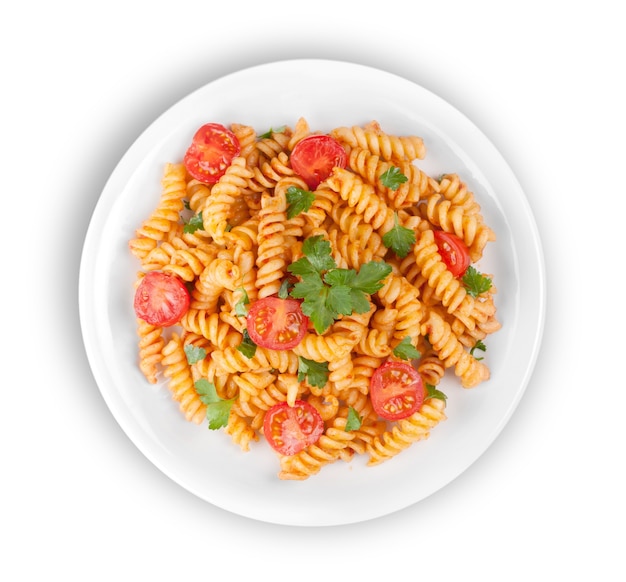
(285, 288)
(432, 392)
(393, 178)
(315, 373)
(194, 223)
(271, 130)
(479, 345)
(240, 307)
(247, 347)
(353, 420)
(194, 353)
(298, 201)
(218, 409)
(405, 350)
(475, 282)
(399, 239)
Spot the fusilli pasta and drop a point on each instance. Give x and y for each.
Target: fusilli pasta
(233, 243)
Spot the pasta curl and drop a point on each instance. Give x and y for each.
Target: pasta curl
(165, 215)
(388, 147)
(452, 353)
(414, 428)
(217, 208)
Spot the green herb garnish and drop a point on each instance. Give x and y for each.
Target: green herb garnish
(353, 420)
(405, 350)
(399, 239)
(218, 409)
(315, 373)
(241, 309)
(392, 178)
(475, 282)
(432, 392)
(194, 223)
(479, 345)
(247, 347)
(271, 130)
(194, 353)
(298, 201)
(328, 291)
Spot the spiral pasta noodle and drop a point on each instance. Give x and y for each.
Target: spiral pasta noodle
(232, 243)
(165, 215)
(406, 432)
(180, 381)
(218, 206)
(388, 147)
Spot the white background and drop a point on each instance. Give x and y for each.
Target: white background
(543, 80)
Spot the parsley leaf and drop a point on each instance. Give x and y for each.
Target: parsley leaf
(217, 409)
(328, 291)
(432, 392)
(310, 285)
(271, 130)
(371, 275)
(247, 347)
(240, 307)
(399, 239)
(317, 254)
(194, 353)
(339, 299)
(353, 420)
(318, 308)
(285, 287)
(475, 282)
(392, 178)
(298, 200)
(405, 350)
(366, 282)
(315, 373)
(479, 345)
(194, 223)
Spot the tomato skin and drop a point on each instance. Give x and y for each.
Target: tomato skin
(212, 150)
(161, 299)
(453, 251)
(314, 157)
(277, 324)
(396, 390)
(289, 429)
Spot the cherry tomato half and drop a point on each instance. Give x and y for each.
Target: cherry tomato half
(396, 390)
(289, 429)
(161, 299)
(314, 157)
(453, 251)
(277, 324)
(212, 150)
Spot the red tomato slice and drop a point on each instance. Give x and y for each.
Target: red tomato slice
(453, 251)
(277, 324)
(396, 390)
(161, 299)
(212, 150)
(314, 157)
(289, 429)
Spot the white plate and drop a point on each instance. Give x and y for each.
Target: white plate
(206, 463)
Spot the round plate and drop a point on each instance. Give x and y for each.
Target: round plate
(207, 463)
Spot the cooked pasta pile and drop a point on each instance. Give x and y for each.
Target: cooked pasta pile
(241, 250)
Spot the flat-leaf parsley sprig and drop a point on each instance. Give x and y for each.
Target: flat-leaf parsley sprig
(329, 292)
